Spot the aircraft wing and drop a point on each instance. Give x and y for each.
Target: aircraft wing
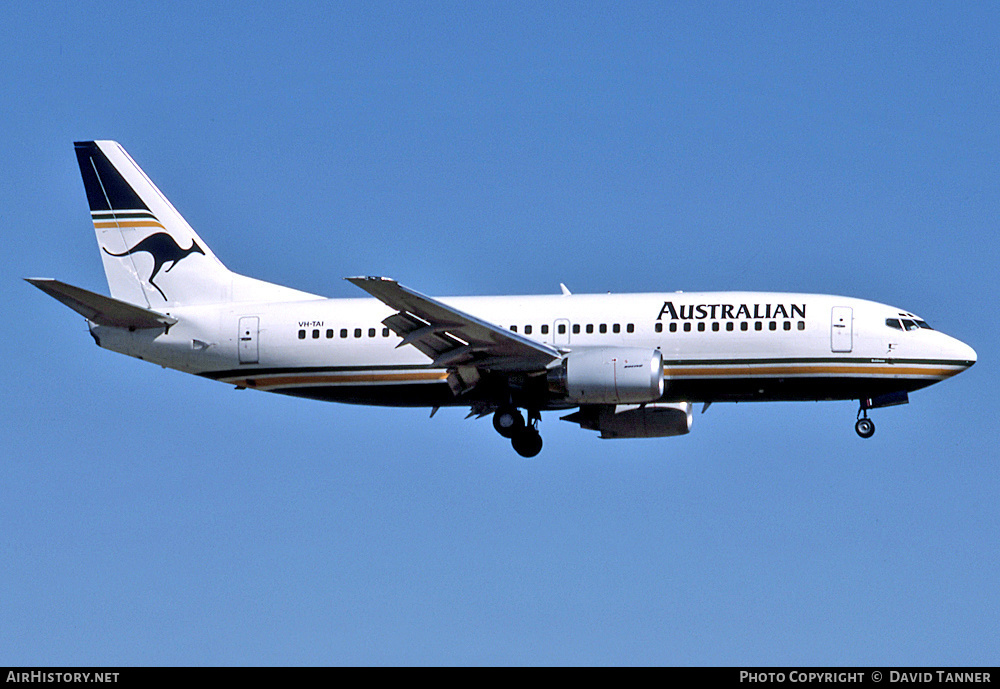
(451, 337)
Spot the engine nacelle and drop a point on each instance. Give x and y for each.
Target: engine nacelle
(608, 375)
(634, 421)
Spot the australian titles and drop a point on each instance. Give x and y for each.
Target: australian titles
(686, 312)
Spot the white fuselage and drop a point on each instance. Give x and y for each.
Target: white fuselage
(716, 346)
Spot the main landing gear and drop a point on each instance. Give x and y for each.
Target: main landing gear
(865, 427)
(524, 438)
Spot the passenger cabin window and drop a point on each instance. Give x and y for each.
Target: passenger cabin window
(616, 328)
(315, 334)
(357, 332)
(527, 330)
(562, 328)
(603, 327)
(590, 328)
(302, 334)
(545, 329)
(329, 333)
(630, 328)
(343, 332)
(371, 332)
(576, 328)
(659, 327)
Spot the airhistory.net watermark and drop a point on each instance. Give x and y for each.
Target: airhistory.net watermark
(62, 677)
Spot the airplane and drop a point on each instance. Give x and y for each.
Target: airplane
(624, 365)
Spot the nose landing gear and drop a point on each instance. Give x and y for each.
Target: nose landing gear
(864, 427)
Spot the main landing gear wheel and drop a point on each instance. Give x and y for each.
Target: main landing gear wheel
(508, 421)
(527, 442)
(865, 427)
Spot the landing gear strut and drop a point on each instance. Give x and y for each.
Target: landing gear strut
(524, 438)
(865, 427)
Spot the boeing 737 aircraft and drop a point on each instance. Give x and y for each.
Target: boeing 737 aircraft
(625, 365)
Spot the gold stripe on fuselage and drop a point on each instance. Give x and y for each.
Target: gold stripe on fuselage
(292, 380)
(757, 371)
(309, 379)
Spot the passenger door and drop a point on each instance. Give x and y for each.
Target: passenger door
(842, 329)
(248, 339)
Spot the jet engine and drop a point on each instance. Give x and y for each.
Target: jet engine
(659, 420)
(608, 375)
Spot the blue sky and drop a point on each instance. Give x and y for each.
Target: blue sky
(148, 517)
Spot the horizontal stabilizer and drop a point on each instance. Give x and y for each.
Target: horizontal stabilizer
(100, 309)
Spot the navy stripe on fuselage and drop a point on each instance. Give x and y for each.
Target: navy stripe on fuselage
(437, 393)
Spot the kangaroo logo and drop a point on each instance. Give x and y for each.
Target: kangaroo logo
(164, 249)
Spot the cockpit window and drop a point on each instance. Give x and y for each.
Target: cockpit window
(909, 324)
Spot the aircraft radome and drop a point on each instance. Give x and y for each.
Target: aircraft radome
(625, 365)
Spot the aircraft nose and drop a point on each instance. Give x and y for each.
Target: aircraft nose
(960, 352)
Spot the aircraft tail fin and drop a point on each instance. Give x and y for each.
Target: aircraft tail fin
(152, 257)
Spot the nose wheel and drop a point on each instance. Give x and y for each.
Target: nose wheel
(864, 427)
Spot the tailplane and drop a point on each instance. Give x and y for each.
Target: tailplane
(152, 257)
